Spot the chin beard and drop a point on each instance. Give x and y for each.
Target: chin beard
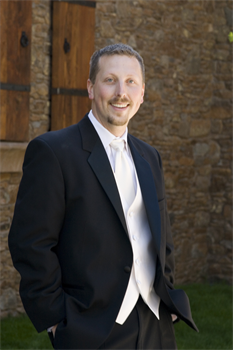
(117, 122)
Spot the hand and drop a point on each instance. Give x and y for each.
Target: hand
(54, 329)
(174, 317)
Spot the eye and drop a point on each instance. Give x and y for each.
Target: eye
(109, 80)
(131, 81)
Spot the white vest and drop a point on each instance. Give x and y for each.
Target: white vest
(144, 258)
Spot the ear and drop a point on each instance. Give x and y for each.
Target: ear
(90, 89)
(143, 92)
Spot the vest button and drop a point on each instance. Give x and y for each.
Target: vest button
(127, 269)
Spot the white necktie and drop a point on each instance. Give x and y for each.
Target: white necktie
(122, 172)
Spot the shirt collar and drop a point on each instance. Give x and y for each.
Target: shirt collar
(106, 136)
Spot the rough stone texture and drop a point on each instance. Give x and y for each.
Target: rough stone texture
(12, 155)
(39, 121)
(186, 116)
(10, 303)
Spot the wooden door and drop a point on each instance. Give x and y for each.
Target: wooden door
(15, 59)
(73, 45)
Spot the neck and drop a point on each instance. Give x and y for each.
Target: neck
(116, 130)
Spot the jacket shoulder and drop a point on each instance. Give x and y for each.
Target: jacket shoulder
(62, 140)
(59, 136)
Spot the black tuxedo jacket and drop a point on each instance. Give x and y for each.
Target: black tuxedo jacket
(69, 238)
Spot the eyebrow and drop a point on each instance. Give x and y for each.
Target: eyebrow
(128, 75)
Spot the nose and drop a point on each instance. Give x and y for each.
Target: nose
(121, 89)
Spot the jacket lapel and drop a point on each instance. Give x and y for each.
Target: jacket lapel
(99, 163)
(149, 193)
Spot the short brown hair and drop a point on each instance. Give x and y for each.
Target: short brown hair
(110, 50)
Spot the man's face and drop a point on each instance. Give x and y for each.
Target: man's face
(117, 92)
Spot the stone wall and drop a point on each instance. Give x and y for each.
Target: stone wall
(40, 68)
(186, 116)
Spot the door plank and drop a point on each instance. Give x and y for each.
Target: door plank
(3, 40)
(14, 113)
(15, 66)
(70, 109)
(76, 23)
(19, 57)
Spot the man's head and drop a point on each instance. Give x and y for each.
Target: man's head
(116, 49)
(116, 86)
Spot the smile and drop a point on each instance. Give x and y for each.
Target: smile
(120, 106)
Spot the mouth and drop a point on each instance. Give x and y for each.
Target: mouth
(120, 106)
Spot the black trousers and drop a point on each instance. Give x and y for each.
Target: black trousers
(142, 330)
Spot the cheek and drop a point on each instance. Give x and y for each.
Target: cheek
(104, 95)
(137, 98)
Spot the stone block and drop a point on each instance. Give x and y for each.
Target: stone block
(154, 89)
(218, 184)
(224, 94)
(4, 177)
(225, 172)
(193, 65)
(216, 126)
(217, 250)
(202, 219)
(227, 244)
(221, 55)
(8, 299)
(188, 15)
(214, 152)
(127, 9)
(105, 7)
(205, 170)
(203, 183)
(159, 35)
(205, 154)
(12, 156)
(227, 211)
(186, 161)
(170, 180)
(42, 89)
(200, 149)
(229, 16)
(209, 7)
(132, 42)
(217, 207)
(199, 127)
(106, 29)
(199, 250)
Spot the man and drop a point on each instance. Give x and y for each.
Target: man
(90, 235)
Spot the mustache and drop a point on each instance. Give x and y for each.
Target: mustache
(119, 100)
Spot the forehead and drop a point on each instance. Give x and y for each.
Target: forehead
(119, 64)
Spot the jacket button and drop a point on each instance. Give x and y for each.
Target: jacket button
(127, 269)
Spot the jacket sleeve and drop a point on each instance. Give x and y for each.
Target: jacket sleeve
(33, 237)
(168, 254)
(169, 260)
